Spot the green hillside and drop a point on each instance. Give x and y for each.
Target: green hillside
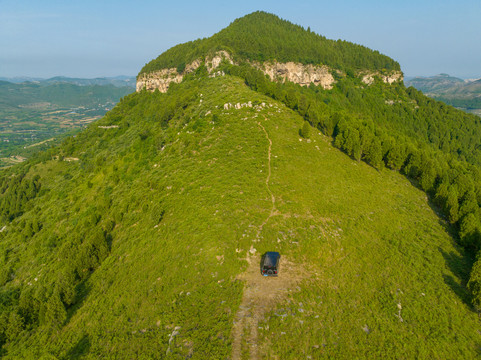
(141, 236)
(434, 84)
(261, 36)
(145, 235)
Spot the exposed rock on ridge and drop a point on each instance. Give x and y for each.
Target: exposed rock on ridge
(297, 73)
(163, 78)
(392, 77)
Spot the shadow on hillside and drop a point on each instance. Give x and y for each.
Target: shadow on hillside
(460, 265)
(80, 349)
(449, 228)
(82, 291)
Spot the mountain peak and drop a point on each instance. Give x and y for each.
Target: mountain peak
(262, 36)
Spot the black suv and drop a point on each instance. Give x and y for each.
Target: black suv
(270, 263)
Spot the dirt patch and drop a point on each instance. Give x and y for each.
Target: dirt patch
(261, 295)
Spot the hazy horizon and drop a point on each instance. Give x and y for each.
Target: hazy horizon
(109, 38)
(406, 76)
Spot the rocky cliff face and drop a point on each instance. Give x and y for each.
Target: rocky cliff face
(392, 77)
(297, 73)
(163, 78)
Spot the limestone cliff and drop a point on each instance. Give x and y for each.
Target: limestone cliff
(163, 78)
(392, 77)
(297, 73)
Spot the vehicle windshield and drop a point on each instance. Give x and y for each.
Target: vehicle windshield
(270, 260)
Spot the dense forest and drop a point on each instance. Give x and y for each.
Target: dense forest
(252, 38)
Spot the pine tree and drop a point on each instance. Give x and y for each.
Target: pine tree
(15, 325)
(374, 153)
(474, 284)
(54, 313)
(306, 130)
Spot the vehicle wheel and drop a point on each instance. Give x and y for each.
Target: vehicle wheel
(270, 272)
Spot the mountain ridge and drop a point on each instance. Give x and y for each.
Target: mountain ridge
(141, 235)
(250, 38)
(463, 94)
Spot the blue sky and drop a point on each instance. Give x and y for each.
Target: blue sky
(91, 38)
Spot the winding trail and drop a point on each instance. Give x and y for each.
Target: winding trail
(261, 294)
(274, 211)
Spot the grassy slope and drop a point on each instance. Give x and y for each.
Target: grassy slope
(369, 239)
(373, 242)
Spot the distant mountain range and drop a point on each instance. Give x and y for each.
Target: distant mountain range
(464, 94)
(118, 81)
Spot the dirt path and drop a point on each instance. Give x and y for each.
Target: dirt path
(273, 198)
(261, 294)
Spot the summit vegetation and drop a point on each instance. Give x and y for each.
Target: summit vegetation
(132, 239)
(265, 37)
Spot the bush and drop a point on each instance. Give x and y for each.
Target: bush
(305, 132)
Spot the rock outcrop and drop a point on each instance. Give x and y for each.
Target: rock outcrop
(393, 76)
(158, 80)
(297, 73)
(162, 79)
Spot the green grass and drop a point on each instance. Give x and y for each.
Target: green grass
(371, 241)
(188, 198)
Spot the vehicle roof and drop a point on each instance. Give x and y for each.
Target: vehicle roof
(271, 258)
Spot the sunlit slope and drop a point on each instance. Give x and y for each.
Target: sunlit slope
(387, 277)
(183, 202)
